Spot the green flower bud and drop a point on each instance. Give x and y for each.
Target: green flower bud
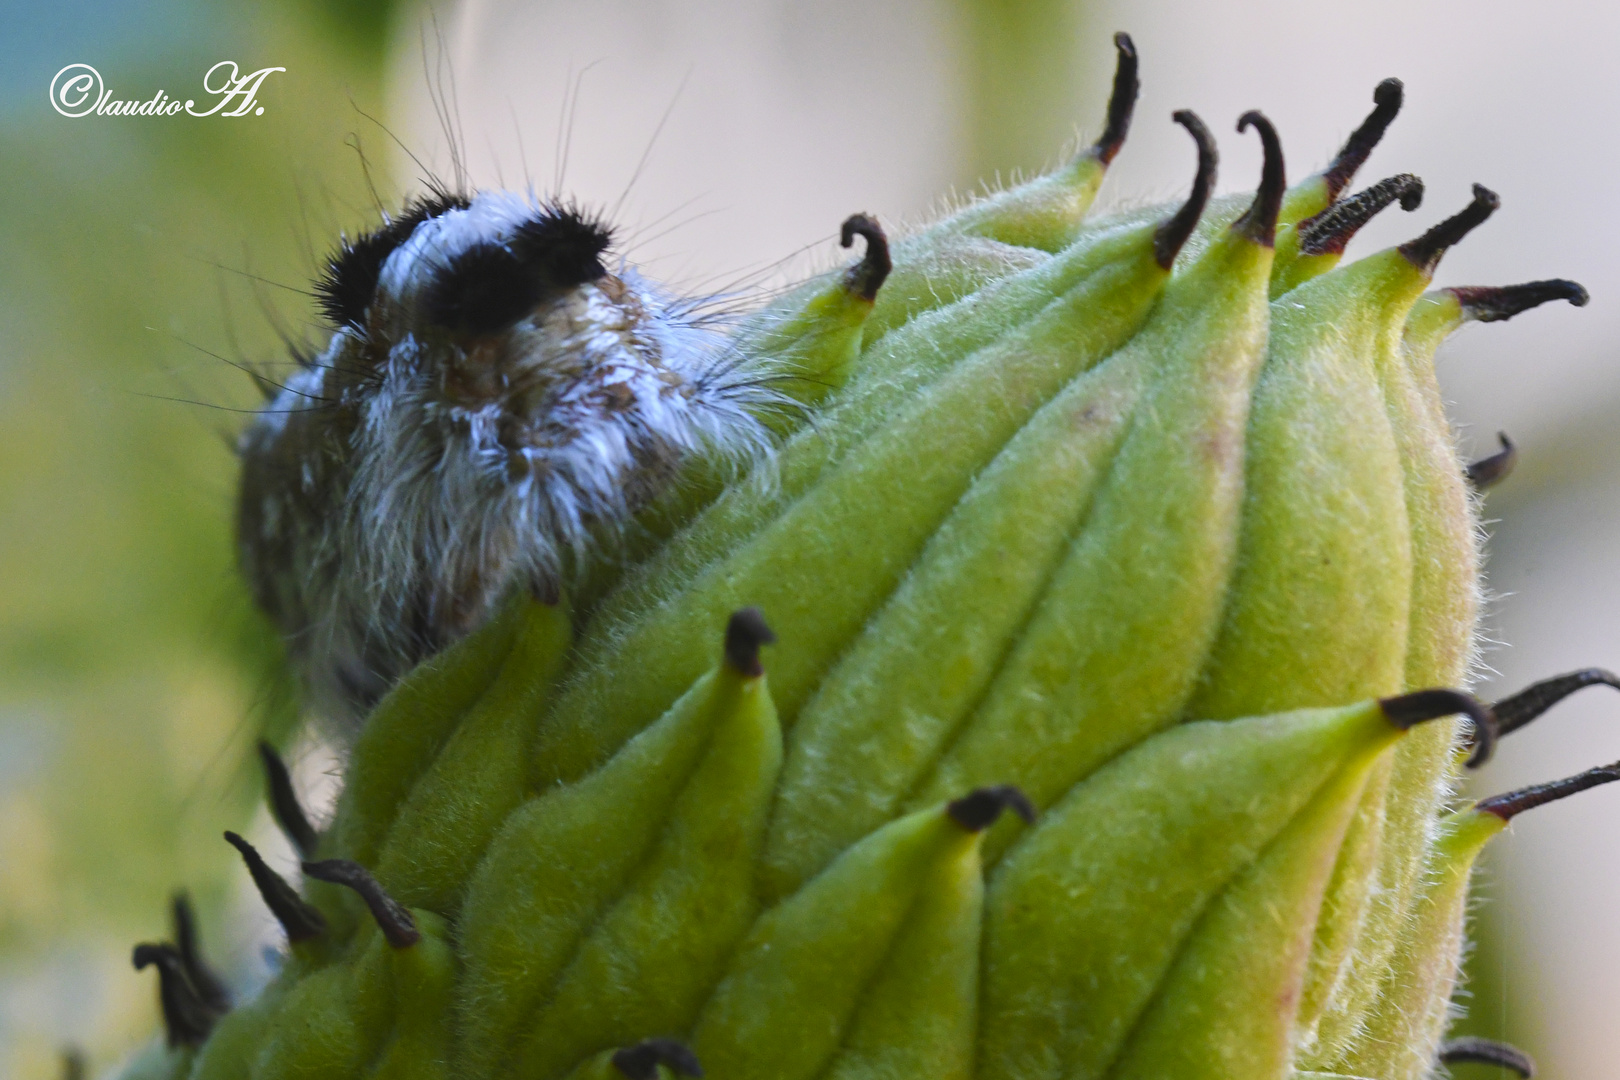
(1149, 528)
(566, 932)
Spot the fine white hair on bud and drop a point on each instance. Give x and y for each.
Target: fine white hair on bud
(494, 400)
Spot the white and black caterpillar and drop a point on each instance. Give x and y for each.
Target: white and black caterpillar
(492, 399)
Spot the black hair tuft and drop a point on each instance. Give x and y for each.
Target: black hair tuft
(349, 282)
(492, 285)
(563, 246)
(483, 290)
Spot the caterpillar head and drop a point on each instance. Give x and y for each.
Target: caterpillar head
(495, 397)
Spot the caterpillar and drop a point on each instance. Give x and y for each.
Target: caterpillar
(497, 394)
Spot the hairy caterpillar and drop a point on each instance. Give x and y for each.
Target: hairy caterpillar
(493, 397)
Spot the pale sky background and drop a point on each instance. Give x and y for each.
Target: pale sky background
(784, 118)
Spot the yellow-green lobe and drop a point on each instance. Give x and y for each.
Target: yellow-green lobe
(1444, 609)
(820, 569)
(813, 337)
(1322, 590)
(1226, 1010)
(1045, 213)
(424, 982)
(1149, 564)
(235, 1040)
(477, 779)
(988, 239)
(1345, 909)
(918, 1015)
(906, 359)
(652, 957)
(811, 342)
(1074, 954)
(934, 275)
(406, 730)
(1432, 319)
(640, 873)
(1322, 594)
(1303, 201)
(1445, 530)
(330, 1024)
(1404, 1028)
(889, 377)
(869, 970)
(1446, 558)
(881, 716)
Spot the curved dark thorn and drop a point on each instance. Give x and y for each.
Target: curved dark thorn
(1477, 1051)
(1406, 711)
(1387, 98)
(1512, 713)
(1122, 102)
(187, 1019)
(641, 1061)
(745, 633)
(74, 1065)
(209, 986)
(1328, 232)
(1489, 471)
(1259, 221)
(1507, 805)
(1482, 303)
(393, 918)
(1173, 231)
(284, 806)
(301, 920)
(980, 808)
(1426, 250)
(866, 277)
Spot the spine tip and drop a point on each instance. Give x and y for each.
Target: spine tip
(1487, 472)
(1329, 232)
(1175, 230)
(866, 277)
(1513, 713)
(1259, 222)
(1483, 303)
(1387, 98)
(1477, 1051)
(1121, 102)
(641, 1061)
(284, 804)
(300, 920)
(393, 918)
(745, 633)
(1425, 252)
(1509, 805)
(981, 808)
(1406, 711)
(187, 1018)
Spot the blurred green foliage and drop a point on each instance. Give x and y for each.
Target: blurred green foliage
(133, 672)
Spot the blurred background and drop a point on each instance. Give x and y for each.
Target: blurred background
(144, 257)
